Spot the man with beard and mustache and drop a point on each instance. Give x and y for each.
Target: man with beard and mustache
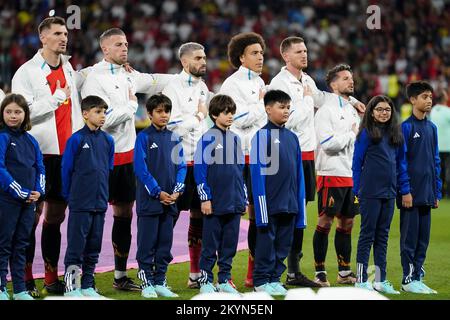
(110, 80)
(49, 84)
(336, 125)
(189, 96)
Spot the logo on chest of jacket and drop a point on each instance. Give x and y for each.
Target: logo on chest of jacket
(190, 99)
(416, 135)
(276, 141)
(13, 144)
(153, 146)
(219, 146)
(86, 146)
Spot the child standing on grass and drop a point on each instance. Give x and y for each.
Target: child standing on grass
(86, 165)
(279, 193)
(375, 168)
(22, 182)
(218, 171)
(424, 190)
(160, 170)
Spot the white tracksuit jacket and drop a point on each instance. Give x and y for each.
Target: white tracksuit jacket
(112, 83)
(333, 123)
(244, 87)
(185, 92)
(30, 80)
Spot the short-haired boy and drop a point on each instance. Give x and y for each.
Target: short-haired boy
(422, 164)
(278, 193)
(160, 170)
(218, 172)
(86, 165)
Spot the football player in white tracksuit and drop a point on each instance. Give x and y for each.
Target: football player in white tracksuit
(109, 80)
(190, 96)
(336, 125)
(247, 88)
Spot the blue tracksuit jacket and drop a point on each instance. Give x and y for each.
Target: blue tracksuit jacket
(159, 166)
(86, 164)
(277, 174)
(377, 167)
(218, 171)
(421, 161)
(21, 166)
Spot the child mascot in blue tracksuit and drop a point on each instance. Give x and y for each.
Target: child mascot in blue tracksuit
(160, 170)
(424, 190)
(218, 173)
(279, 193)
(376, 166)
(22, 182)
(86, 165)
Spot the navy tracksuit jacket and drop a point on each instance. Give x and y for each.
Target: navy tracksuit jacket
(422, 163)
(21, 171)
(279, 196)
(376, 167)
(86, 164)
(218, 173)
(159, 166)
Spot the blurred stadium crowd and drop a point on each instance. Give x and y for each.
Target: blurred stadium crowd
(413, 42)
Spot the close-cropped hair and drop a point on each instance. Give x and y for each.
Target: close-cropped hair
(47, 23)
(416, 88)
(273, 96)
(158, 100)
(239, 42)
(332, 74)
(288, 42)
(91, 102)
(392, 127)
(189, 47)
(22, 103)
(221, 103)
(111, 32)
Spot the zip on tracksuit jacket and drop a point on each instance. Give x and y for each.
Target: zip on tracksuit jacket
(377, 168)
(159, 166)
(218, 171)
(85, 169)
(282, 190)
(422, 161)
(21, 166)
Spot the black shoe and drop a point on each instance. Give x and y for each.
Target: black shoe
(126, 284)
(57, 288)
(32, 289)
(300, 280)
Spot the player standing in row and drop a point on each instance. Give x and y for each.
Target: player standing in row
(109, 80)
(300, 87)
(336, 125)
(247, 89)
(49, 84)
(189, 96)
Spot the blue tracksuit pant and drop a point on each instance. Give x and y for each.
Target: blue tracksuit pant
(84, 243)
(219, 243)
(376, 218)
(16, 222)
(415, 226)
(154, 242)
(272, 247)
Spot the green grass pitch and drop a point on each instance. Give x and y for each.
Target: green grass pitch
(436, 264)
